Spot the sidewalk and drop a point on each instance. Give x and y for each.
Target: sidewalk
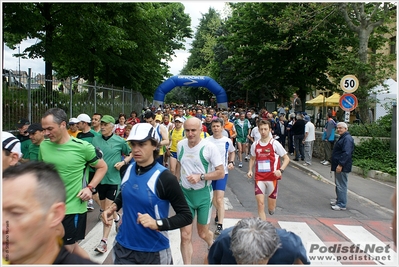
(377, 193)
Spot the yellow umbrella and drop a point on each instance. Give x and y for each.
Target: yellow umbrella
(333, 101)
(317, 101)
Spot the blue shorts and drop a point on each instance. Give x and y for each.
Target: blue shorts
(220, 184)
(173, 155)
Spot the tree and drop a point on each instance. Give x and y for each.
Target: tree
(368, 21)
(103, 42)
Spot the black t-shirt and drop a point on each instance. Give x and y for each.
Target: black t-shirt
(65, 257)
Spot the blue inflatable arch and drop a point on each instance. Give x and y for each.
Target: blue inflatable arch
(193, 81)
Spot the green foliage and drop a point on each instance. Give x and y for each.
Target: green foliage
(375, 154)
(379, 128)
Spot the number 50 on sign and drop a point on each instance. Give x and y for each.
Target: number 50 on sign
(349, 83)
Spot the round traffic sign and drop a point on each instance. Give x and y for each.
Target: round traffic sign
(348, 102)
(349, 83)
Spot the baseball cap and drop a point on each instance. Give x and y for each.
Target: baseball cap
(237, 114)
(108, 119)
(33, 128)
(84, 117)
(73, 120)
(307, 118)
(158, 117)
(141, 132)
(11, 143)
(179, 119)
(22, 122)
(159, 109)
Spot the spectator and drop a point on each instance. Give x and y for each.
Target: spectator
(227, 151)
(281, 111)
(281, 130)
(298, 132)
(296, 104)
(147, 191)
(290, 135)
(36, 135)
(71, 158)
(11, 150)
(308, 140)
(328, 138)
(265, 156)
(23, 137)
(96, 122)
(318, 118)
(251, 238)
(199, 162)
(73, 127)
(35, 231)
(341, 165)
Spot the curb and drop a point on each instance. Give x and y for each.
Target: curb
(318, 176)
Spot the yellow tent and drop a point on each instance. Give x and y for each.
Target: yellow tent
(333, 101)
(317, 101)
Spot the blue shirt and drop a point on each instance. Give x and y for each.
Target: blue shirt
(291, 248)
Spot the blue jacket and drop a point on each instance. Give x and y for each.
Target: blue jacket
(342, 153)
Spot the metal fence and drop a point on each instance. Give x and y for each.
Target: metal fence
(74, 98)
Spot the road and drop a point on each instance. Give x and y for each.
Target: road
(303, 207)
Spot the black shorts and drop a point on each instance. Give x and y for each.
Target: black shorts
(91, 175)
(123, 255)
(75, 227)
(107, 191)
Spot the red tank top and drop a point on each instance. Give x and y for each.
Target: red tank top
(267, 161)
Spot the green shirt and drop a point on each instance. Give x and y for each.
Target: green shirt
(71, 160)
(113, 148)
(34, 152)
(88, 136)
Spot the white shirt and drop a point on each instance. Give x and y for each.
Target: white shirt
(255, 134)
(309, 128)
(225, 146)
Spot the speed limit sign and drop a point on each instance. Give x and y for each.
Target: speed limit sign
(349, 83)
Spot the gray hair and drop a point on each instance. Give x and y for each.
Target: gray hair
(342, 124)
(59, 115)
(49, 188)
(253, 241)
(218, 120)
(292, 115)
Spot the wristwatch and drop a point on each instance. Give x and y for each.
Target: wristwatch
(92, 189)
(281, 170)
(202, 177)
(159, 223)
(232, 162)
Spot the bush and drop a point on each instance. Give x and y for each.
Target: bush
(375, 154)
(380, 128)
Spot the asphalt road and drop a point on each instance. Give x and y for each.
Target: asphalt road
(303, 206)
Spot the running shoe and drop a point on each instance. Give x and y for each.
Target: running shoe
(240, 165)
(90, 206)
(102, 247)
(219, 229)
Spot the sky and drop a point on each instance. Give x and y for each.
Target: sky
(194, 8)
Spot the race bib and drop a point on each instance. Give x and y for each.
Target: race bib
(264, 166)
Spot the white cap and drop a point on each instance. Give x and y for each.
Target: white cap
(179, 119)
(73, 120)
(84, 117)
(141, 132)
(11, 143)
